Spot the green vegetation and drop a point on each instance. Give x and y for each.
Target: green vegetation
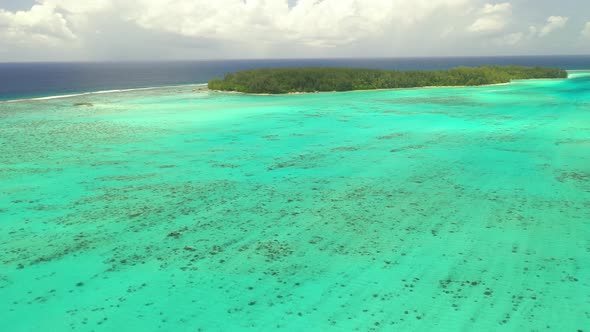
(286, 80)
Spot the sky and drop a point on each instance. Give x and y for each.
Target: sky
(113, 30)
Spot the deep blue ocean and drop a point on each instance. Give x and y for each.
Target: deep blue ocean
(30, 80)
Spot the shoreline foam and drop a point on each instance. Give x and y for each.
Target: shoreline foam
(97, 93)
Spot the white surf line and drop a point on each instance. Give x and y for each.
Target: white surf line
(100, 92)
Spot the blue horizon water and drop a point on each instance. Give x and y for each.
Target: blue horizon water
(35, 80)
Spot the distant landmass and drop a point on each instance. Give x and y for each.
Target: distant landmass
(319, 79)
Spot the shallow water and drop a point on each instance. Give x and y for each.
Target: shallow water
(455, 209)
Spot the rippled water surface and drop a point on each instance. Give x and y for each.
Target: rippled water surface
(176, 209)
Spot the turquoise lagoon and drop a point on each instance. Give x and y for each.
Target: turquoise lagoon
(177, 209)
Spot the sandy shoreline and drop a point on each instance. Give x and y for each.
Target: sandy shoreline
(392, 89)
(368, 90)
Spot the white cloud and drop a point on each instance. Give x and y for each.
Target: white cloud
(488, 24)
(41, 24)
(200, 29)
(586, 31)
(497, 9)
(510, 39)
(79, 6)
(533, 31)
(493, 18)
(553, 23)
(310, 22)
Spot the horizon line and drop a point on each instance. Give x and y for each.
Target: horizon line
(310, 58)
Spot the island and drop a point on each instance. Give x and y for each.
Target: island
(316, 79)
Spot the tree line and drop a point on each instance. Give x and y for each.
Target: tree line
(314, 79)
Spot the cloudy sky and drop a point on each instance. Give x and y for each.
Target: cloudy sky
(92, 30)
